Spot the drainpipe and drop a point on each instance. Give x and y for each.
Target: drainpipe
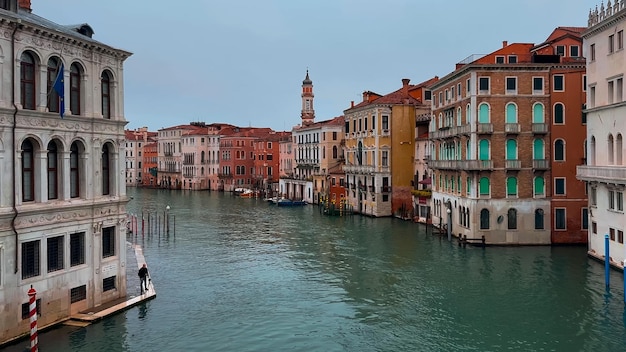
(16, 25)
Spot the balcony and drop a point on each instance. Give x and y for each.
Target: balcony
(541, 164)
(446, 132)
(512, 128)
(478, 165)
(609, 174)
(445, 164)
(485, 128)
(540, 128)
(513, 164)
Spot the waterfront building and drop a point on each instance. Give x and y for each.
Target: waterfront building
(194, 150)
(266, 162)
(605, 170)
(150, 164)
(379, 149)
(135, 141)
(287, 160)
(62, 190)
(237, 157)
(506, 136)
(422, 175)
(170, 155)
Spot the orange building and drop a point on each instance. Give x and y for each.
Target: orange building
(267, 162)
(150, 165)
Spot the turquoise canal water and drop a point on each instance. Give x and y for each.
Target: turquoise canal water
(242, 275)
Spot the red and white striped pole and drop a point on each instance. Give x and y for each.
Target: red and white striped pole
(32, 314)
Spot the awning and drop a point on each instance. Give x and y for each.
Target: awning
(425, 181)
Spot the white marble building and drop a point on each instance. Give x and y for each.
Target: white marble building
(62, 190)
(605, 171)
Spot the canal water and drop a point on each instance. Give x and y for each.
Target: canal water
(243, 275)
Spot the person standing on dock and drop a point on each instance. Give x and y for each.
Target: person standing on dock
(143, 278)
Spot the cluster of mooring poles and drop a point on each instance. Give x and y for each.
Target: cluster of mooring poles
(152, 223)
(607, 266)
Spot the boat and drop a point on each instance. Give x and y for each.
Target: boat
(284, 202)
(247, 193)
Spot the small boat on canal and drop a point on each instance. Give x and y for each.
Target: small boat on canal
(284, 202)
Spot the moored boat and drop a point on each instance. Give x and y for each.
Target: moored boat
(284, 202)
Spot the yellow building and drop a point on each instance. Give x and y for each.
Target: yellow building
(379, 138)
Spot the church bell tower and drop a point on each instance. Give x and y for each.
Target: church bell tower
(308, 113)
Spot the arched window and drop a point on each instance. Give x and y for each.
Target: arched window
(468, 154)
(75, 80)
(539, 219)
(202, 157)
(559, 114)
(512, 219)
(74, 171)
(559, 150)
(334, 152)
(53, 97)
(106, 177)
(538, 113)
(28, 87)
(511, 149)
(483, 113)
(483, 150)
(538, 149)
(484, 219)
(611, 149)
(618, 150)
(539, 186)
(28, 171)
(483, 186)
(459, 117)
(511, 186)
(511, 113)
(105, 91)
(53, 174)
(592, 152)
(468, 114)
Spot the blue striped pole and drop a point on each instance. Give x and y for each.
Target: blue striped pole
(606, 261)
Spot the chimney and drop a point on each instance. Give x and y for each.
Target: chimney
(505, 43)
(405, 86)
(24, 4)
(352, 103)
(365, 96)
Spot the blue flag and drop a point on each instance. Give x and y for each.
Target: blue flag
(59, 87)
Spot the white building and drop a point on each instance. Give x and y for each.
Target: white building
(605, 171)
(62, 190)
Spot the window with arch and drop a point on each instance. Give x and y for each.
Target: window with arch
(335, 153)
(484, 219)
(483, 150)
(74, 170)
(483, 186)
(28, 88)
(611, 149)
(538, 113)
(538, 149)
(468, 154)
(511, 113)
(28, 171)
(592, 152)
(468, 114)
(511, 149)
(512, 219)
(54, 64)
(106, 175)
(105, 91)
(559, 114)
(53, 170)
(559, 150)
(618, 150)
(483, 113)
(539, 219)
(539, 186)
(459, 117)
(511, 186)
(75, 83)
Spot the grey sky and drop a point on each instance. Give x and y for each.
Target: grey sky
(243, 62)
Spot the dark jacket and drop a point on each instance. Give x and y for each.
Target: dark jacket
(143, 272)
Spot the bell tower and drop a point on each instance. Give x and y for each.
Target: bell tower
(308, 113)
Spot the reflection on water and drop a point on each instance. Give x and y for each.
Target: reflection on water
(242, 275)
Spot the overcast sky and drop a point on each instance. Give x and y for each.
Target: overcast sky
(243, 62)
